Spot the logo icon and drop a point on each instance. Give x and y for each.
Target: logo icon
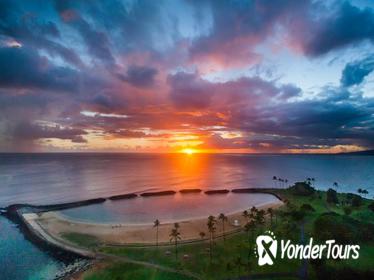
(266, 248)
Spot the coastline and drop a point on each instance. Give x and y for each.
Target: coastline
(60, 216)
(136, 234)
(42, 225)
(39, 226)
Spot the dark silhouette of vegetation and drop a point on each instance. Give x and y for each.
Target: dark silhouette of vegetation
(331, 196)
(260, 219)
(270, 211)
(253, 212)
(342, 228)
(156, 224)
(223, 219)
(238, 263)
(245, 214)
(211, 228)
(250, 227)
(354, 200)
(202, 234)
(275, 179)
(363, 192)
(302, 189)
(345, 273)
(175, 236)
(308, 181)
(307, 208)
(280, 182)
(347, 210)
(371, 206)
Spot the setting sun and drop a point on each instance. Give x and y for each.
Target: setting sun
(189, 151)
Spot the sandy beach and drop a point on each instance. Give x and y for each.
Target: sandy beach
(121, 234)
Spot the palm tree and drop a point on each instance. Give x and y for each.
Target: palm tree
(365, 192)
(202, 234)
(313, 180)
(335, 185)
(156, 224)
(280, 181)
(271, 213)
(286, 181)
(253, 212)
(308, 181)
(275, 180)
(245, 214)
(260, 217)
(211, 228)
(252, 226)
(175, 235)
(247, 229)
(223, 219)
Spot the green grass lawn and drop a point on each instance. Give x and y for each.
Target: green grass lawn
(235, 256)
(231, 258)
(126, 271)
(83, 240)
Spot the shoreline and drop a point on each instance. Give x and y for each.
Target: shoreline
(64, 249)
(60, 216)
(55, 224)
(143, 234)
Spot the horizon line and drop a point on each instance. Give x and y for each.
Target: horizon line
(164, 153)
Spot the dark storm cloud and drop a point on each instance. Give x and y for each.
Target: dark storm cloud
(139, 76)
(354, 73)
(27, 131)
(22, 68)
(322, 121)
(300, 125)
(32, 31)
(347, 25)
(126, 133)
(189, 91)
(96, 41)
(31, 100)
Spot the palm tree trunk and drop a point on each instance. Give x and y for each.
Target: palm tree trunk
(157, 237)
(176, 250)
(210, 248)
(271, 220)
(223, 231)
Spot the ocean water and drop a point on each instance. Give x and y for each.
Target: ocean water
(20, 259)
(53, 178)
(57, 178)
(167, 209)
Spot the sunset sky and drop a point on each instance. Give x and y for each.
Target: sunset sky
(164, 76)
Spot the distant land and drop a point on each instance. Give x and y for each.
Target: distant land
(360, 153)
